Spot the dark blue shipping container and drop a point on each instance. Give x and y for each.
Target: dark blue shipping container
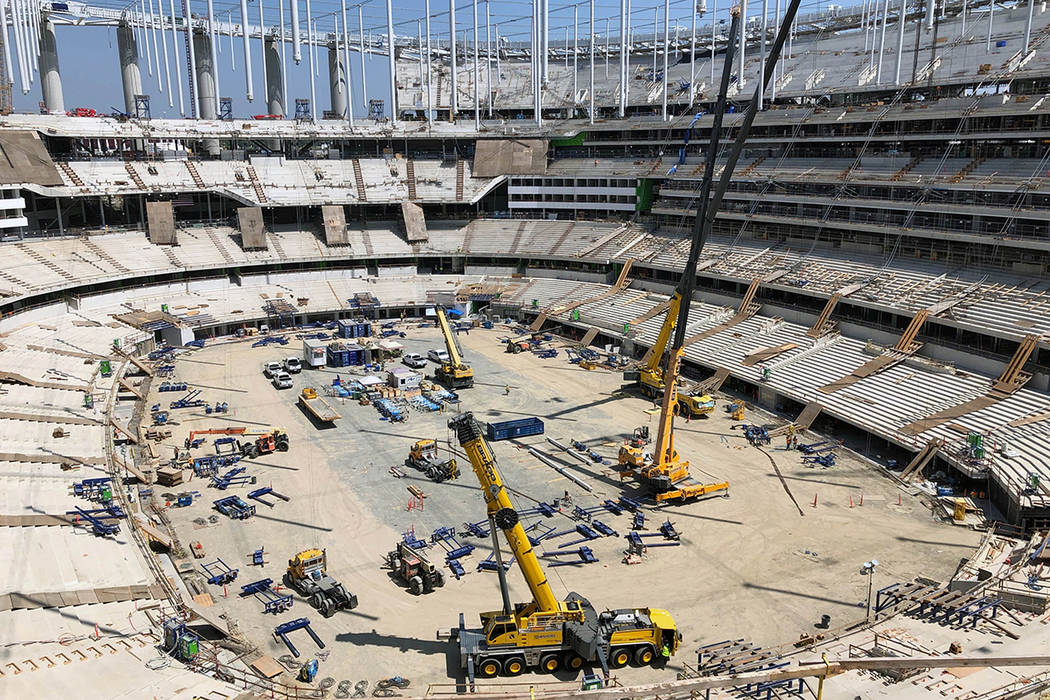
(523, 427)
(345, 355)
(354, 329)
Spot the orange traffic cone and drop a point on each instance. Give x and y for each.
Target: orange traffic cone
(814, 500)
(851, 500)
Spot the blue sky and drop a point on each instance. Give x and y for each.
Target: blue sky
(91, 72)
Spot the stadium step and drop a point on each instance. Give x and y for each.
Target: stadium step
(218, 245)
(135, 176)
(899, 175)
(70, 173)
(260, 195)
(751, 168)
(90, 245)
(37, 257)
(410, 179)
(359, 179)
(197, 181)
(966, 170)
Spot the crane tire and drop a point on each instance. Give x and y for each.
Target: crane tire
(550, 663)
(619, 657)
(573, 661)
(514, 666)
(489, 667)
(644, 655)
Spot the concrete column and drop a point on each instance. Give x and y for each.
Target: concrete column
(205, 79)
(205, 74)
(337, 82)
(130, 77)
(50, 80)
(274, 84)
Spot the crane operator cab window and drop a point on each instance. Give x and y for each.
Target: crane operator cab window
(500, 626)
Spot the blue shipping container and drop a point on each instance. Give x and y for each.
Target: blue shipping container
(354, 329)
(523, 427)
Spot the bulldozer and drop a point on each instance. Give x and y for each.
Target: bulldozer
(414, 568)
(424, 456)
(275, 441)
(307, 575)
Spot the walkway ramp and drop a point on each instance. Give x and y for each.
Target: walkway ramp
(906, 347)
(1011, 379)
(621, 284)
(919, 462)
(824, 324)
(805, 419)
(714, 382)
(766, 354)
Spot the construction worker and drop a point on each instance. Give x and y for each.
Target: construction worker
(506, 390)
(665, 652)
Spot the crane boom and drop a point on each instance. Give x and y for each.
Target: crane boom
(670, 320)
(455, 359)
(501, 509)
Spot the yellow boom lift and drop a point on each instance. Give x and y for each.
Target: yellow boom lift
(650, 377)
(664, 472)
(455, 373)
(546, 634)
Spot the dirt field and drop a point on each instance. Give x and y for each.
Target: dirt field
(749, 566)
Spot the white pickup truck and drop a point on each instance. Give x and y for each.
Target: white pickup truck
(271, 368)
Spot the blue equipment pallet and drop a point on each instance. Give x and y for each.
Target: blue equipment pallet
(97, 518)
(235, 507)
(219, 573)
(281, 632)
(273, 602)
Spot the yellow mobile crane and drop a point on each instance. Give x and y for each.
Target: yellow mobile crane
(650, 377)
(546, 634)
(453, 373)
(664, 471)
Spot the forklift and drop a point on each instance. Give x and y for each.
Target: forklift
(275, 441)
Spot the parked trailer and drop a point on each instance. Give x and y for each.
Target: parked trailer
(315, 404)
(523, 427)
(314, 353)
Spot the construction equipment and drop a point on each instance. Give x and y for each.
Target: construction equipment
(273, 602)
(316, 406)
(414, 568)
(274, 441)
(96, 519)
(235, 507)
(737, 410)
(234, 477)
(664, 472)
(454, 373)
(219, 572)
(195, 438)
(650, 377)
(303, 623)
(258, 494)
(307, 575)
(190, 400)
(545, 634)
(99, 489)
(424, 456)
